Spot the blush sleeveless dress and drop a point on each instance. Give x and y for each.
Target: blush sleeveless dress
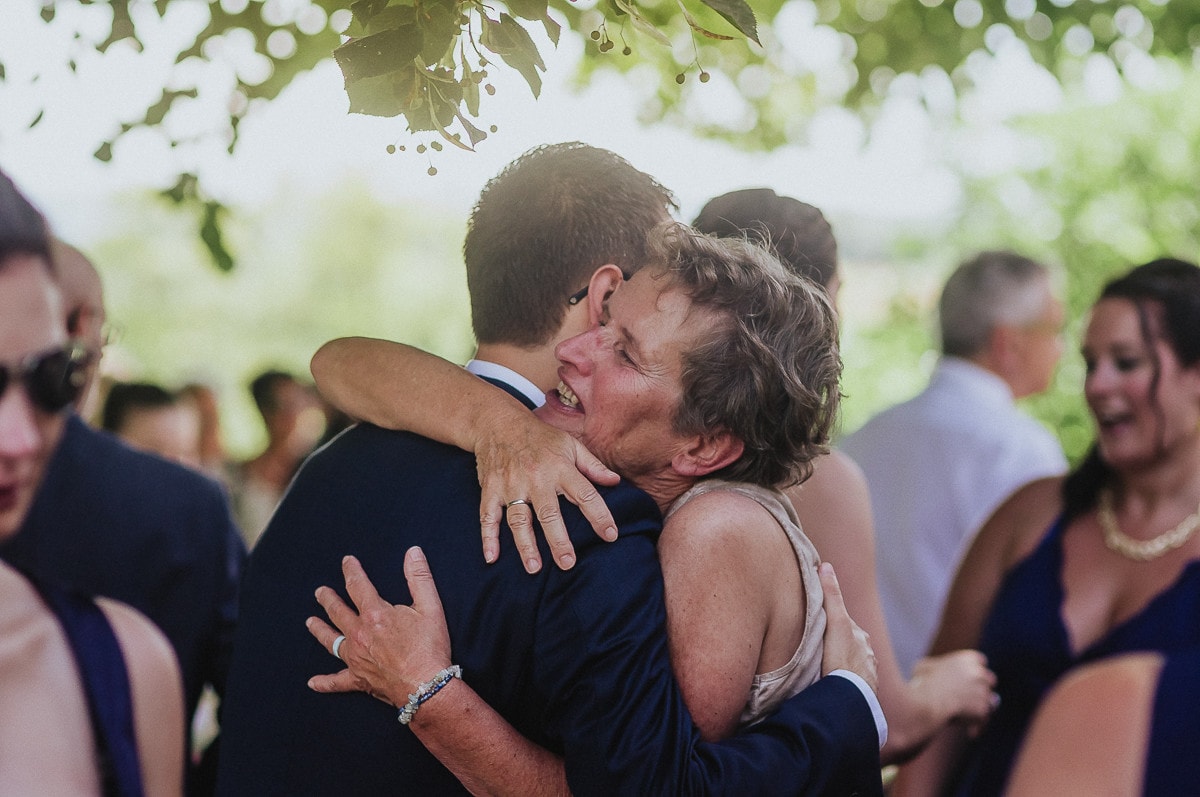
(1027, 646)
(769, 689)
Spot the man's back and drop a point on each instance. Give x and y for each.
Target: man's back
(373, 494)
(937, 466)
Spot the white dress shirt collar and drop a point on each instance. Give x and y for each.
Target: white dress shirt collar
(490, 370)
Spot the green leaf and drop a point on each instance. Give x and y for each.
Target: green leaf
(378, 54)
(440, 28)
(390, 18)
(37, 119)
(509, 40)
(365, 11)
(474, 133)
(210, 234)
(553, 29)
(696, 26)
(384, 95)
(533, 10)
(643, 24)
(103, 152)
(739, 14)
(441, 128)
(470, 92)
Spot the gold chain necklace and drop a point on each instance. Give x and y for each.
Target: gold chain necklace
(1142, 550)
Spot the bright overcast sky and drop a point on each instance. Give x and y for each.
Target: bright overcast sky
(305, 140)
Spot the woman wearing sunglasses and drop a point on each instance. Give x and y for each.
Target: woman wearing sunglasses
(89, 690)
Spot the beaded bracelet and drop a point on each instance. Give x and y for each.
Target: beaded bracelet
(426, 691)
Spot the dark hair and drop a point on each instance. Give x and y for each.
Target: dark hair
(125, 398)
(263, 388)
(795, 231)
(23, 229)
(1166, 295)
(543, 225)
(769, 372)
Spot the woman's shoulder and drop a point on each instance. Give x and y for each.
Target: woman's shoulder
(730, 527)
(139, 637)
(1022, 519)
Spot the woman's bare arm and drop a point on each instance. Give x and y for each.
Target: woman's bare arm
(157, 691)
(721, 557)
(389, 650)
(835, 512)
(397, 386)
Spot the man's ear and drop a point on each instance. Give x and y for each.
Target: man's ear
(604, 281)
(707, 453)
(1002, 351)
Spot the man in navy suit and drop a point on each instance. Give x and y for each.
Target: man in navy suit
(576, 661)
(112, 521)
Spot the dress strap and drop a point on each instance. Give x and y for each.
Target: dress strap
(106, 684)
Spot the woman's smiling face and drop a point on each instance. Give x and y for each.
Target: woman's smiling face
(1143, 401)
(621, 382)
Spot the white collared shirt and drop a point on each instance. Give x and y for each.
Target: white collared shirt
(937, 466)
(502, 373)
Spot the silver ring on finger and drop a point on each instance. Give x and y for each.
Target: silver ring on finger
(514, 503)
(337, 646)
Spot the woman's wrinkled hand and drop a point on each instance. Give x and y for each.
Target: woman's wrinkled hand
(533, 463)
(389, 650)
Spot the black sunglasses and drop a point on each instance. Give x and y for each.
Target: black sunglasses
(53, 379)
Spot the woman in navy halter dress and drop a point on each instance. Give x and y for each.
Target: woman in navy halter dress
(1126, 725)
(1104, 562)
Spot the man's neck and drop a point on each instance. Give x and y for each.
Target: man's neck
(536, 364)
(989, 364)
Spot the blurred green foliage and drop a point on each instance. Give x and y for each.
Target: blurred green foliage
(347, 265)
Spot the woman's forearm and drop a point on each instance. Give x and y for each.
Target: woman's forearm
(482, 750)
(397, 386)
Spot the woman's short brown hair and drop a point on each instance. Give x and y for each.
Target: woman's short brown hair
(769, 372)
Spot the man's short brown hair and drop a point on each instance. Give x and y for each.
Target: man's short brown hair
(543, 226)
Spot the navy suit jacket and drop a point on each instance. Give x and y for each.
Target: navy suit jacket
(109, 520)
(577, 661)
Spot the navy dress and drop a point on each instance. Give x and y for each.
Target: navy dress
(1028, 647)
(106, 686)
(1175, 732)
